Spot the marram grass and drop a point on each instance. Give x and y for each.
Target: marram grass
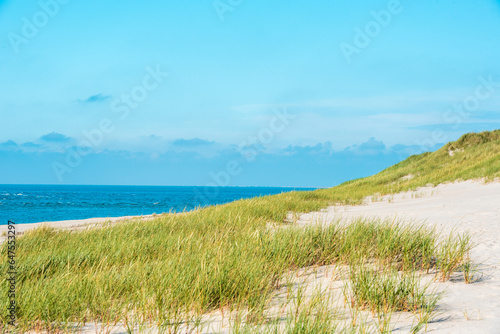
(227, 255)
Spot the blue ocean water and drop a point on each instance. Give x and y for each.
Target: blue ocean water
(39, 203)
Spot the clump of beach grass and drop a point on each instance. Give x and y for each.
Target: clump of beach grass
(385, 291)
(454, 254)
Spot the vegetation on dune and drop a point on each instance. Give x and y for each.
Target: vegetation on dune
(179, 266)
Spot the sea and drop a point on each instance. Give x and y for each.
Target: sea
(25, 204)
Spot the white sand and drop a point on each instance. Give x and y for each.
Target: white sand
(465, 206)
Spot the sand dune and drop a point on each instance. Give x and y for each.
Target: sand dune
(470, 206)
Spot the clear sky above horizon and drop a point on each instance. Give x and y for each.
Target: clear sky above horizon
(282, 89)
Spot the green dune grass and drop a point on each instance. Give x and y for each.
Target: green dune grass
(180, 266)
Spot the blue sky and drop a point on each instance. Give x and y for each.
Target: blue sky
(181, 89)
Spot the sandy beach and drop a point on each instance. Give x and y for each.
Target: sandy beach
(71, 224)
